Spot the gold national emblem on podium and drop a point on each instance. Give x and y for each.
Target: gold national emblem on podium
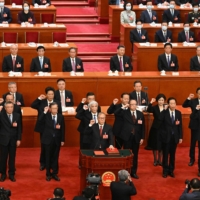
(107, 178)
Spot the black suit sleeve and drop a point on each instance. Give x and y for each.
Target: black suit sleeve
(130, 67)
(36, 104)
(156, 37)
(160, 68)
(4, 66)
(32, 68)
(79, 107)
(112, 64)
(177, 2)
(132, 190)
(64, 66)
(187, 103)
(22, 101)
(131, 37)
(49, 64)
(192, 65)
(110, 136)
(62, 129)
(165, 17)
(81, 64)
(111, 109)
(179, 37)
(176, 64)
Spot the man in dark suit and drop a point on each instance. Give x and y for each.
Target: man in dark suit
(170, 136)
(72, 63)
(101, 133)
(187, 3)
(10, 134)
(58, 194)
(163, 35)
(138, 95)
(194, 16)
(195, 61)
(133, 131)
(39, 104)
(193, 124)
(118, 123)
(171, 15)
(87, 193)
(149, 15)
(138, 35)
(62, 95)
(18, 97)
(41, 2)
(124, 188)
(195, 188)
(13, 62)
(120, 62)
(52, 127)
(85, 115)
(168, 61)
(186, 35)
(5, 16)
(40, 63)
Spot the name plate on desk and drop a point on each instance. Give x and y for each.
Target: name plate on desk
(177, 25)
(175, 73)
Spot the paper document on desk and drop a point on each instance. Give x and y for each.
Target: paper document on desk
(60, 25)
(52, 25)
(63, 45)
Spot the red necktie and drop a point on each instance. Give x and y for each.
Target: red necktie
(73, 65)
(187, 36)
(120, 64)
(139, 100)
(100, 130)
(13, 60)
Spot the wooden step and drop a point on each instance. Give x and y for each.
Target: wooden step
(71, 3)
(94, 58)
(77, 20)
(88, 39)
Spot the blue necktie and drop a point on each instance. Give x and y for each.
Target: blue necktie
(41, 63)
(94, 118)
(168, 61)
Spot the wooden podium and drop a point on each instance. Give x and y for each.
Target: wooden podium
(90, 163)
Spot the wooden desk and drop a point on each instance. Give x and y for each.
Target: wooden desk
(105, 87)
(102, 11)
(114, 17)
(37, 11)
(151, 56)
(126, 28)
(56, 55)
(31, 138)
(45, 32)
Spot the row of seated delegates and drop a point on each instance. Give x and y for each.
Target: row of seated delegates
(14, 62)
(149, 15)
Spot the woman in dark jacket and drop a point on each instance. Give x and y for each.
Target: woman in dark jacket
(153, 140)
(25, 15)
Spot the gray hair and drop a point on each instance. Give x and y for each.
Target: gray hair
(123, 175)
(13, 45)
(101, 113)
(92, 103)
(198, 46)
(12, 83)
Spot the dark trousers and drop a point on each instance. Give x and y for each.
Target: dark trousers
(42, 152)
(169, 151)
(8, 154)
(85, 141)
(134, 146)
(118, 142)
(52, 151)
(193, 141)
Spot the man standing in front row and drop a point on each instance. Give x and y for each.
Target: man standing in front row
(170, 135)
(72, 63)
(132, 132)
(138, 95)
(10, 134)
(120, 62)
(52, 127)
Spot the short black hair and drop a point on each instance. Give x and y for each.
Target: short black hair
(195, 4)
(149, 1)
(195, 183)
(88, 192)
(47, 89)
(171, 98)
(58, 192)
(25, 2)
(197, 89)
(187, 23)
(171, 0)
(167, 44)
(8, 95)
(120, 46)
(90, 94)
(137, 82)
(138, 20)
(60, 79)
(126, 2)
(53, 104)
(164, 22)
(71, 48)
(40, 47)
(160, 96)
(125, 93)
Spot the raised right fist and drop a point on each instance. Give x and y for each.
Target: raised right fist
(92, 122)
(115, 101)
(83, 100)
(42, 96)
(191, 96)
(153, 100)
(1, 100)
(85, 107)
(46, 109)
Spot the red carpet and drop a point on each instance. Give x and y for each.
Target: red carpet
(96, 67)
(87, 28)
(31, 183)
(76, 11)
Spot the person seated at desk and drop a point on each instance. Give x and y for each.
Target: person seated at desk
(195, 61)
(186, 35)
(101, 133)
(138, 34)
(120, 62)
(165, 3)
(186, 3)
(25, 15)
(168, 61)
(13, 62)
(149, 15)
(194, 16)
(41, 2)
(127, 16)
(40, 63)
(5, 15)
(72, 63)
(163, 35)
(171, 15)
